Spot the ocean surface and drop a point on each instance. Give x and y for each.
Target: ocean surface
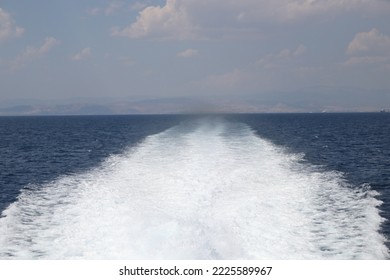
(263, 186)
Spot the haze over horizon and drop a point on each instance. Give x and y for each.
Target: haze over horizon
(125, 56)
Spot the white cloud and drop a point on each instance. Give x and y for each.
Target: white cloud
(282, 58)
(112, 7)
(8, 27)
(187, 53)
(49, 43)
(369, 48)
(288, 10)
(372, 42)
(83, 54)
(199, 19)
(169, 21)
(31, 53)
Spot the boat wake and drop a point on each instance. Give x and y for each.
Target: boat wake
(205, 190)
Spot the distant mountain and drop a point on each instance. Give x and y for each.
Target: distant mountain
(153, 106)
(303, 101)
(71, 109)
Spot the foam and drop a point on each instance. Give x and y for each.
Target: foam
(209, 190)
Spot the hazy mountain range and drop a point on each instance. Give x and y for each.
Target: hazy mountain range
(322, 99)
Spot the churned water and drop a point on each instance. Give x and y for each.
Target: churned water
(170, 187)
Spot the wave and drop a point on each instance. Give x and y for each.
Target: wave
(207, 190)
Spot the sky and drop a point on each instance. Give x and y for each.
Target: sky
(288, 55)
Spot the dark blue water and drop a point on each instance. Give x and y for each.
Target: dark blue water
(38, 152)
(34, 150)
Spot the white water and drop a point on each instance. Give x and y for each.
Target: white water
(212, 191)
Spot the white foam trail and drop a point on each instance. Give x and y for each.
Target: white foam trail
(211, 191)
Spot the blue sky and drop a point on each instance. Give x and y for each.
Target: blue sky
(323, 54)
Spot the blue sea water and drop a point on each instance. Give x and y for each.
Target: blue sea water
(263, 186)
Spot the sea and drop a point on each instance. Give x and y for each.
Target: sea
(245, 186)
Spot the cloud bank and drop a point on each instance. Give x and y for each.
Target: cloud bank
(371, 47)
(201, 19)
(372, 42)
